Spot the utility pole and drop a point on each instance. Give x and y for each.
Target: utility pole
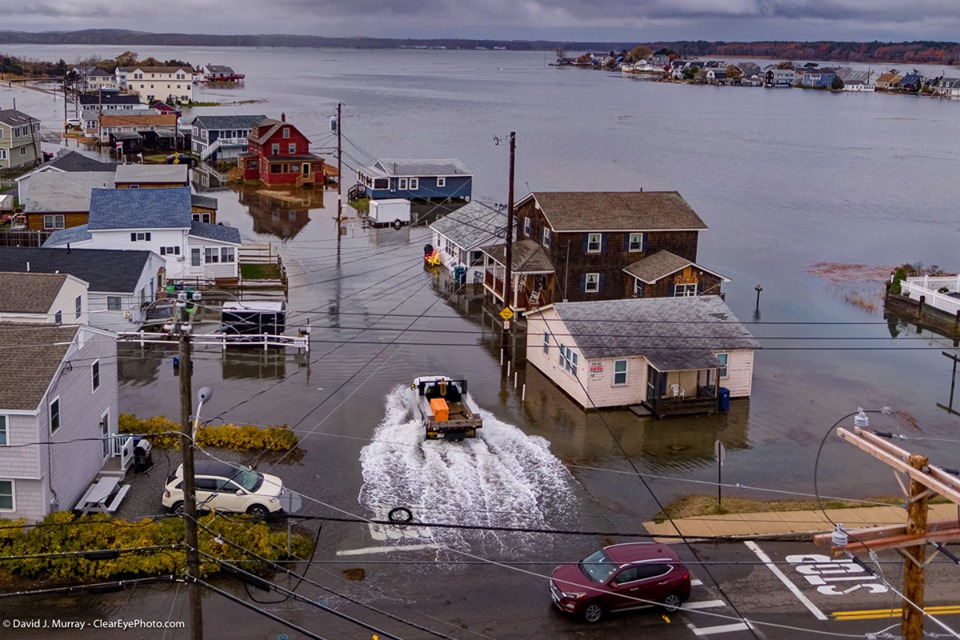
(189, 481)
(911, 624)
(508, 273)
(339, 177)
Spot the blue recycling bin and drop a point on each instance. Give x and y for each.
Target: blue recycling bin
(724, 399)
(460, 274)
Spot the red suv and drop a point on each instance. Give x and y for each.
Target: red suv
(619, 578)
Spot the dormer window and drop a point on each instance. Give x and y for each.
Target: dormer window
(286, 132)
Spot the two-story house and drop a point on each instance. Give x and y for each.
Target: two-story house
(278, 154)
(158, 220)
(58, 414)
(92, 106)
(574, 246)
(119, 283)
(222, 137)
(159, 83)
(131, 133)
(19, 140)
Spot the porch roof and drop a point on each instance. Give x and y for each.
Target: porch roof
(527, 256)
(674, 334)
(662, 264)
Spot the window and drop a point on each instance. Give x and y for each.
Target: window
(3, 154)
(527, 226)
(286, 132)
(6, 495)
(546, 342)
(78, 303)
(547, 237)
(638, 288)
(441, 182)
(275, 149)
(685, 290)
(569, 359)
(113, 303)
(95, 374)
(211, 255)
(226, 254)
(635, 242)
(402, 184)
(170, 251)
(139, 236)
(58, 317)
(195, 257)
(54, 415)
(275, 168)
(594, 241)
(381, 183)
(53, 222)
(414, 184)
(3, 431)
(723, 357)
(619, 373)
(201, 217)
(23, 151)
(591, 283)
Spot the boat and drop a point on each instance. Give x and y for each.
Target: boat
(444, 406)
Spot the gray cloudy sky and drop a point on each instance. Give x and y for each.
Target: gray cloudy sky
(595, 20)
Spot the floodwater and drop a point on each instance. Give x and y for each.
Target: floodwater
(792, 185)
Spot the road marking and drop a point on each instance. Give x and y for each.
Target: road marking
(705, 604)
(871, 614)
(696, 583)
(722, 628)
(765, 559)
(373, 550)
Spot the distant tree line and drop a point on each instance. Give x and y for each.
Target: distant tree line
(13, 66)
(919, 52)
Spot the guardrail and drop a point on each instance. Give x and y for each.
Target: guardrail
(265, 340)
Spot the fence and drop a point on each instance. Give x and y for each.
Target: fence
(23, 238)
(927, 287)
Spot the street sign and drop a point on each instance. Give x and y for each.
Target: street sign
(506, 314)
(721, 452)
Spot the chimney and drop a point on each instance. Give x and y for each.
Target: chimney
(283, 117)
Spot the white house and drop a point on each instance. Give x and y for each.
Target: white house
(158, 220)
(120, 283)
(671, 355)
(459, 235)
(43, 298)
(58, 411)
(158, 83)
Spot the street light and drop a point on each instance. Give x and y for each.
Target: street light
(203, 395)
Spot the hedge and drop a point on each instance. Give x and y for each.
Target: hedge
(62, 532)
(163, 432)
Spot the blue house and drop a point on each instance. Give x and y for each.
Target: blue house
(222, 137)
(818, 78)
(910, 83)
(424, 180)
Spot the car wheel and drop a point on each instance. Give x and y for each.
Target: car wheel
(177, 508)
(672, 602)
(592, 612)
(257, 511)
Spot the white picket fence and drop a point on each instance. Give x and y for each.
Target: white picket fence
(929, 287)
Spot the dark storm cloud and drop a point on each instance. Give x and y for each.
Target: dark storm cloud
(583, 19)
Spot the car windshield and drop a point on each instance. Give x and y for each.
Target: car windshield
(597, 566)
(248, 478)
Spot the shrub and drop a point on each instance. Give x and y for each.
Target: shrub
(163, 432)
(63, 532)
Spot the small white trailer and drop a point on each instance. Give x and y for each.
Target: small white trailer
(393, 212)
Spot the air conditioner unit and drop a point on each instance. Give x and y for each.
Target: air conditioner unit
(181, 258)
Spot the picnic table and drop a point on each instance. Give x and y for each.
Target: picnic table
(103, 496)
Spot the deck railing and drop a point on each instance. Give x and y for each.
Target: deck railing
(928, 287)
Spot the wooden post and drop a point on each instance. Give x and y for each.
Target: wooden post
(911, 625)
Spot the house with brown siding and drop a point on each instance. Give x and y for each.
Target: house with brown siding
(132, 133)
(58, 413)
(578, 246)
(672, 355)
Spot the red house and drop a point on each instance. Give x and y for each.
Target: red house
(278, 154)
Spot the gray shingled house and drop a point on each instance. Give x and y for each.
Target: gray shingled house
(58, 409)
(671, 355)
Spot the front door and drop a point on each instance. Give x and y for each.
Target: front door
(306, 168)
(105, 434)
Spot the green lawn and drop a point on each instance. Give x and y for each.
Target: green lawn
(259, 272)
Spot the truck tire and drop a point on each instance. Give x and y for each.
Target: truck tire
(397, 224)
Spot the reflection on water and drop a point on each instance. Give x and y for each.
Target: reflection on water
(263, 364)
(279, 213)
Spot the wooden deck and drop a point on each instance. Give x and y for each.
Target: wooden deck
(705, 402)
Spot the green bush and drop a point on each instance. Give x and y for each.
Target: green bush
(163, 432)
(898, 277)
(63, 532)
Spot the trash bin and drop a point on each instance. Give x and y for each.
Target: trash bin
(142, 456)
(724, 399)
(460, 274)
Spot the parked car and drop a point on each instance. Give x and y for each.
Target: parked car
(226, 487)
(621, 577)
(74, 123)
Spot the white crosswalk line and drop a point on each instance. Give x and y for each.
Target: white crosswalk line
(696, 583)
(723, 628)
(705, 604)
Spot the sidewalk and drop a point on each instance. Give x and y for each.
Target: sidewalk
(773, 523)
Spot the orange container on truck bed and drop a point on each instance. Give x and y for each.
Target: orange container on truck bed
(440, 409)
